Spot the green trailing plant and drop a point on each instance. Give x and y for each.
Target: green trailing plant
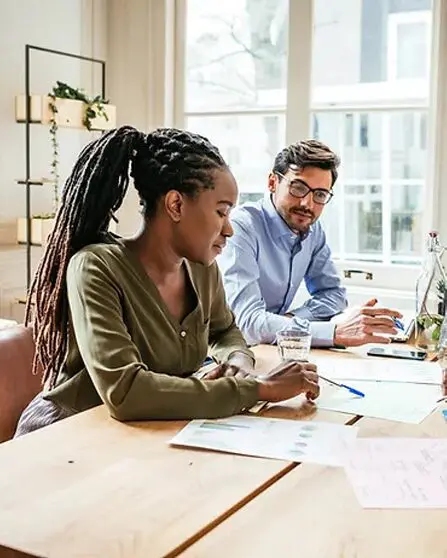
(55, 152)
(94, 107)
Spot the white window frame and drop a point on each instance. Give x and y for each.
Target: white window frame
(299, 109)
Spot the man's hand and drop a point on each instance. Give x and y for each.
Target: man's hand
(367, 324)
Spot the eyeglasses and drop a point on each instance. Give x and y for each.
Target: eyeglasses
(299, 189)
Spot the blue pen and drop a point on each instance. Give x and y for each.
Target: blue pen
(399, 324)
(350, 389)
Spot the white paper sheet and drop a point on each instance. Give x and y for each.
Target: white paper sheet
(398, 472)
(288, 440)
(380, 370)
(387, 400)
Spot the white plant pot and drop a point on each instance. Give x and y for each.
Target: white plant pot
(40, 229)
(70, 113)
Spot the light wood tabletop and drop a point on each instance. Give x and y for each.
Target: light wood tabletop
(313, 512)
(91, 486)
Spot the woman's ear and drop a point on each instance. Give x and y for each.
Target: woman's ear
(174, 204)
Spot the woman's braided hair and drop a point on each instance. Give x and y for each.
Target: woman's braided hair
(165, 159)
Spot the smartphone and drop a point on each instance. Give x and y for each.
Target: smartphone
(392, 352)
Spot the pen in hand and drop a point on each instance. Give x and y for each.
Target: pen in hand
(350, 389)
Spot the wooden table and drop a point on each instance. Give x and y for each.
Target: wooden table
(91, 486)
(312, 512)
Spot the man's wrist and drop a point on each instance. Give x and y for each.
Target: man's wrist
(337, 341)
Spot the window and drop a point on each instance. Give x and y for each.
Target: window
(369, 114)
(236, 72)
(369, 83)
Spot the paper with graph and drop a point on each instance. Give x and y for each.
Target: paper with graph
(288, 440)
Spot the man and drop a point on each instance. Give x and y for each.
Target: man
(278, 242)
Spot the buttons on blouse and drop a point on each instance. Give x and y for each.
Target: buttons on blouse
(183, 333)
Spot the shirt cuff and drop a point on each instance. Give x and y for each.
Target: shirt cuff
(302, 312)
(322, 334)
(245, 353)
(248, 393)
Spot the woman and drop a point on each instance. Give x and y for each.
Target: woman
(127, 322)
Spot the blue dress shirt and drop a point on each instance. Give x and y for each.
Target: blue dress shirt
(263, 265)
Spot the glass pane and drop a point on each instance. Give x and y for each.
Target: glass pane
(408, 142)
(406, 220)
(359, 138)
(412, 50)
(249, 144)
(363, 227)
(326, 128)
(362, 46)
(330, 221)
(236, 54)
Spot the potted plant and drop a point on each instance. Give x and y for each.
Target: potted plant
(93, 109)
(63, 106)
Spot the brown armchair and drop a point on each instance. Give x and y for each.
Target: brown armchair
(18, 385)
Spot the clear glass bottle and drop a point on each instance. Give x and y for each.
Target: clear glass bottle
(430, 297)
(442, 349)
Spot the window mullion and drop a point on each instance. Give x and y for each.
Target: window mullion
(299, 70)
(342, 184)
(386, 188)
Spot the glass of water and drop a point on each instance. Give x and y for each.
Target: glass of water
(294, 344)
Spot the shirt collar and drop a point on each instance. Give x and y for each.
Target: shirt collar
(278, 227)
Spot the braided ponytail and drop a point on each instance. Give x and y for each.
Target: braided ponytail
(95, 188)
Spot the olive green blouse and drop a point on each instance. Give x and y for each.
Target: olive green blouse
(128, 351)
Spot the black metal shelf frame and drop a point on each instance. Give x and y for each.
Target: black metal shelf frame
(28, 123)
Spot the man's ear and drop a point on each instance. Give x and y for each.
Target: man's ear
(174, 205)
(272, 182)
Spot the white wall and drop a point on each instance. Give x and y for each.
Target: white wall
(69, 25)
(140, 69)
(134, 36)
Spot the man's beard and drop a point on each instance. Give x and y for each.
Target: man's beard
(303, 223)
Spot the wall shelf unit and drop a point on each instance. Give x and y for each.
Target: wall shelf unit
(31, 109)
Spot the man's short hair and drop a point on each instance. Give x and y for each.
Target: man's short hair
(307, 153)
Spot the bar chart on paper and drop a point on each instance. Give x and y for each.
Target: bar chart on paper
(288, 440)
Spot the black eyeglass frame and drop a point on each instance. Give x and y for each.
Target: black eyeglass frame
(290, 182)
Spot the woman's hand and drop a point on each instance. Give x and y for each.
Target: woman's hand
(227, 370)
(239, 365)
(288, 380)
